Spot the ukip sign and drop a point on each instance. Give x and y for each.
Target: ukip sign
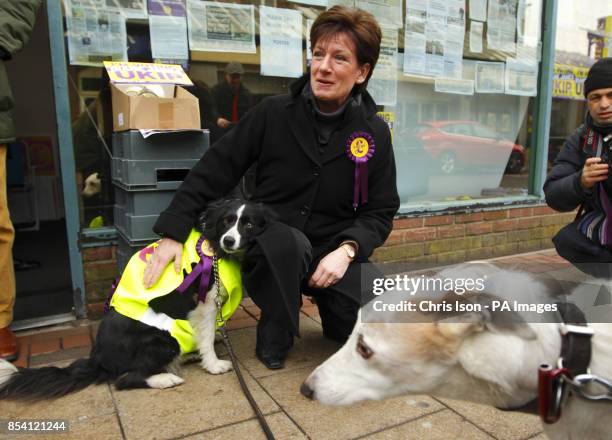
(146, 73)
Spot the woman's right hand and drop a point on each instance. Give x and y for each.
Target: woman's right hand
(164, 253)
(593, 171)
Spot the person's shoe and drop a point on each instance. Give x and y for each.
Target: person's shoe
(272, 361)
(8, 344)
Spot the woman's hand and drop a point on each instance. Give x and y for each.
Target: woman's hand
(164, 253)
(593, 171)
(223, 123)
(330, 269)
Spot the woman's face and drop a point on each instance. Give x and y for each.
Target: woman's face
(334, 71)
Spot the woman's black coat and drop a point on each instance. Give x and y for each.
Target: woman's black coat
(310, 188)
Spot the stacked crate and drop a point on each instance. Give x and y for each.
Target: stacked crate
(145, 174)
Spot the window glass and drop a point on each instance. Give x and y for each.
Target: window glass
(583, 36)
(456, 82)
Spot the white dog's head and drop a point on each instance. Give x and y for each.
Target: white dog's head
(481, 355)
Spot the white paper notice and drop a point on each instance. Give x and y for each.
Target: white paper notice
(168, 37)
(129, 8)
(478, 10)
(414, 37)
(456, 86)
(309, 23)
(521, 78)
(455, 34)
(383, 83)
(281, 42)
(489, 77)
(387, 12)
(476, 36)
(501, 25)
(95, 35)
(221, 27)
(322, 3)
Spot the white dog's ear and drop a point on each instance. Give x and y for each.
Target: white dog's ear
(460, 325)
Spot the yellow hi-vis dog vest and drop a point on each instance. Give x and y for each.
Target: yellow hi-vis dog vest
(131, 299)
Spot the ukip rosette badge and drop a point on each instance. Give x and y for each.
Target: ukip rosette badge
(360, 148)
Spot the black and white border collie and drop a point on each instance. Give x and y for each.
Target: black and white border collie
(133, 354)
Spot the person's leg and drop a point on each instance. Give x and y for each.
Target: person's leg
(273, 269)
(8, 343)
(339, 304)
(338, 314)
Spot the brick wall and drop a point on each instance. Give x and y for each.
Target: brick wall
(99, 272)
(452, 238)
(414, 242)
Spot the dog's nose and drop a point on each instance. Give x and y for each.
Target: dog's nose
(307, 391)
(229, 241)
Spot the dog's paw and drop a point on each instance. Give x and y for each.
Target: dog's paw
(217, 367)
(164, 380)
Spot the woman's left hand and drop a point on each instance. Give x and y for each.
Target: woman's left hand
(330, 269)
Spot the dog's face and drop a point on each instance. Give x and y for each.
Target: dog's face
(231, 225)
(479, 356)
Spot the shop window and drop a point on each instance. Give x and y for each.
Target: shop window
(455, 80)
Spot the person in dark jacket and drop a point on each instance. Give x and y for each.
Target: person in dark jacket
(232, 98)
(580, 172)
(16, 24)
(307, 145)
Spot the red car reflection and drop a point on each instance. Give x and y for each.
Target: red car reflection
(453, 144)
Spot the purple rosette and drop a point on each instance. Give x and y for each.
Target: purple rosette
(360, 147)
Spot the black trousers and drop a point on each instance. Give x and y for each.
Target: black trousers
(276, 270)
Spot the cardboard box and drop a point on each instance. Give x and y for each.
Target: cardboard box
(149, 96)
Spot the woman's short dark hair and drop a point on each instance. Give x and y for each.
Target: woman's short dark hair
(359, 25)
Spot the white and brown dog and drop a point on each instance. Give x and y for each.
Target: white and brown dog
(477, 357)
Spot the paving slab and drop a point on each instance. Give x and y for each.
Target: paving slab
(282, 427)
(442, 425)
(309, 350)
(90, 413)
(95, 400)
(327, 422)
(503, 425)
(203, 402)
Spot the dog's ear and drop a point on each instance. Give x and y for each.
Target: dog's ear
(484, 319)
(201, 221)
(214, 211)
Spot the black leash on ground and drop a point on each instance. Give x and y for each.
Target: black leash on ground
(245, 389)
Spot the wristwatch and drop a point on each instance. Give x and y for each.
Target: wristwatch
(350, 250)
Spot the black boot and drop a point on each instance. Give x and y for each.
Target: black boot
(273, 342)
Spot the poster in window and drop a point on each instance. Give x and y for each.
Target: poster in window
(95, 35)
(521, 78)
(489, 77)
(434, 34)
(129, 8)
(383, 83)
(478, 10)
(387, 12)
(414, 38)
(501, 25)
(322, 3)
(175, 8)
(476, 28)
(221, 27)
(281, 42)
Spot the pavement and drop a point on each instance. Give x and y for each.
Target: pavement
(213, 407)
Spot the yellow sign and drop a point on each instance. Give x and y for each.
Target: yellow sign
(389, 118)
(568, 81)
(146, 73)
